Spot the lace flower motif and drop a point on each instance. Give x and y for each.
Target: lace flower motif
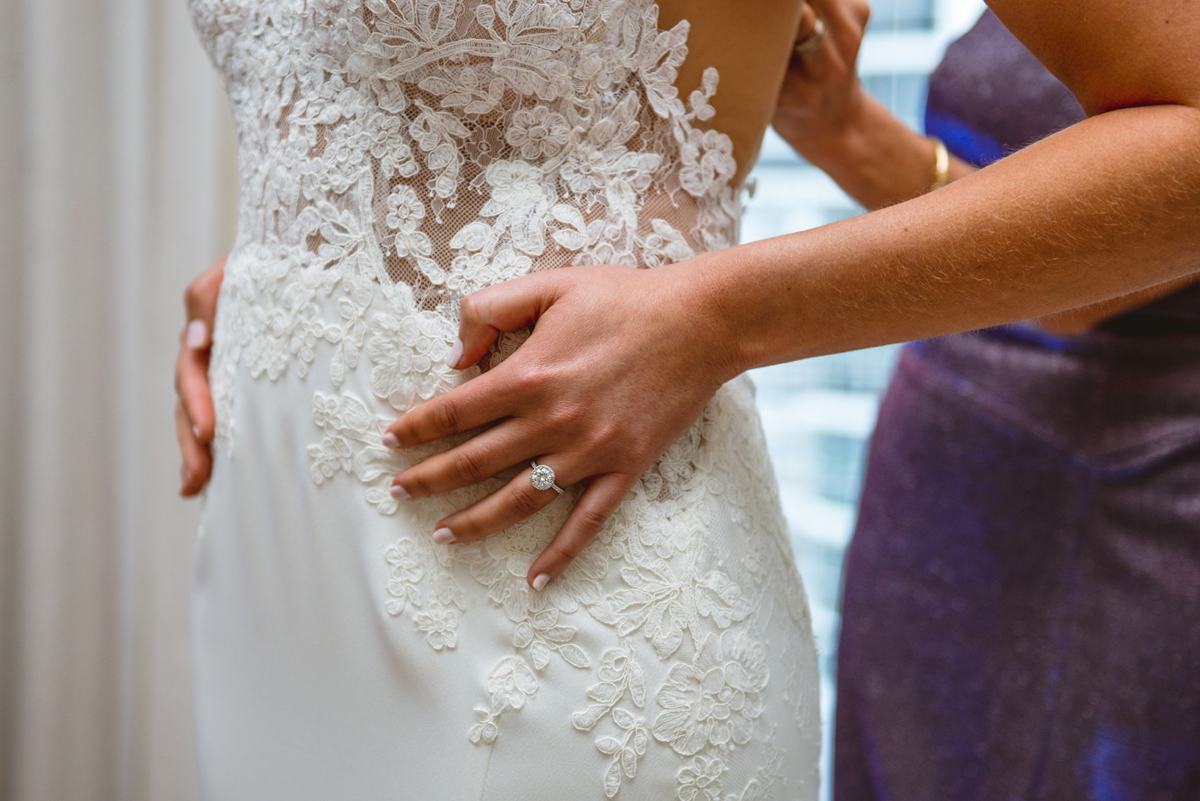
(538, 133)
(716, 699)
(409, 353)
(510, 683)
(700, 779)
(440, 627)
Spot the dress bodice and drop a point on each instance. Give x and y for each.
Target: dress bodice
(450, 144)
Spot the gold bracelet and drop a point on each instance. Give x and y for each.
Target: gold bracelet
(941, 164)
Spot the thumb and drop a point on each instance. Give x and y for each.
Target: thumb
(200, 302)
(506, 306)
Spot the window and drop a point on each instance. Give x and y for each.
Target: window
(894, 15)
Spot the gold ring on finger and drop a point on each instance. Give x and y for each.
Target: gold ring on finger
(810, 43)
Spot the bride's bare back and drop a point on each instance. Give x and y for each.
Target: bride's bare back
(749, 44)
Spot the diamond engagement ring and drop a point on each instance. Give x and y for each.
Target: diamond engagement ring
(542, 478)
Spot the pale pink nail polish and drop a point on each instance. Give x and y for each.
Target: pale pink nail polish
(196, 431)
(390, 441)
(197, 334)
(455, 354)
(444, 536)
(540, 582)
(400, 493)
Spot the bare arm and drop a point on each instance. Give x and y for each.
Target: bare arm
(622, 360)
(878, 160)
(1105, 208)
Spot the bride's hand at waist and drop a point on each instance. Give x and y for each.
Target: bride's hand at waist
(598, 392)
(195, 421)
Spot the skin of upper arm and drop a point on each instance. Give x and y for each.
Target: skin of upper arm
(1113, 53)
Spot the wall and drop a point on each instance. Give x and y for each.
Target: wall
(116, 171)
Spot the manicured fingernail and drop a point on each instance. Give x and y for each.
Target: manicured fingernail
(197, 334)
(196, 431)
(401, 494)
(444, 536)
(390, 441)
(540, 582)
(455, 354)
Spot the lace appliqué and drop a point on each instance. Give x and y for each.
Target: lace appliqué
(397, 156)
(715, 699)
(620, 676)
(509, 684)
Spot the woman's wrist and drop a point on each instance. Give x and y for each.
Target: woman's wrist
(821, 137)
(714, 297)
(701, 296)
(872, 155)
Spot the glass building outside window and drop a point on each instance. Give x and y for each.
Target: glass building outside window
(819, 413)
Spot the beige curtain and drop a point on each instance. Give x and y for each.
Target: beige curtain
(116, 165)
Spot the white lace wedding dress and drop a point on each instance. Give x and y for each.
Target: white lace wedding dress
(396, 155)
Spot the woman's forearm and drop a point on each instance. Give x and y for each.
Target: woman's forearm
(1104, 208)
(874, 157)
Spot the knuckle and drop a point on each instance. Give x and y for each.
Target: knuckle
(567, 550)
(445, 416)
(526, 378)
(418, 485)
(532, 378)
(467, 466)
(606, 432)
(591, 520)
(470, 308)
(567, 416)
(524, 504)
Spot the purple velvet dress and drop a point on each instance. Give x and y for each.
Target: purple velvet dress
(1022, 593)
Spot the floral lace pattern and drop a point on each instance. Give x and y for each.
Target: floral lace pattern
(398, 154)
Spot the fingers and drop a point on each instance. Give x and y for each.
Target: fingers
(597, 504)
(860, 12)
(508, 306)
(195, 421)
(197, 461)
(191, 368)
(824, 63)
(520, 500)
(191, 385)
(478, 402)
(516, 501)
(807, 24)
(477, 459)
(200, 301)
(847, 20)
